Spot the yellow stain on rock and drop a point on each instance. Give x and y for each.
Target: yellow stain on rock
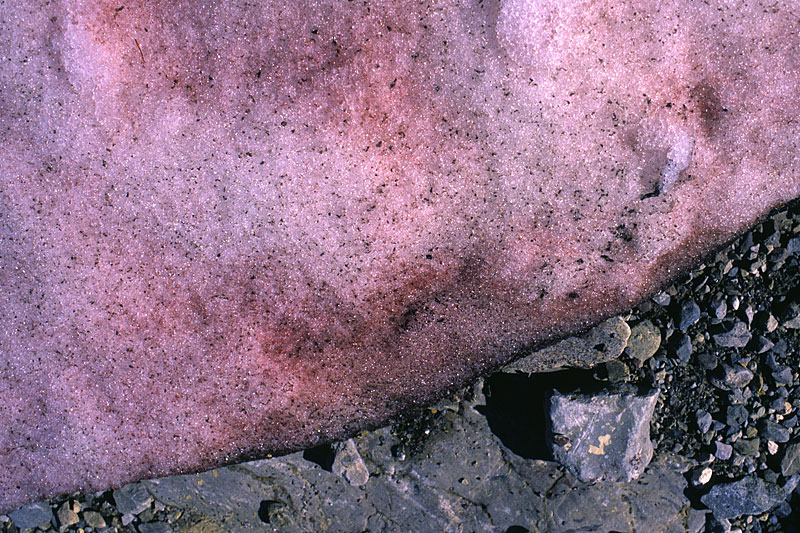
(605, 440)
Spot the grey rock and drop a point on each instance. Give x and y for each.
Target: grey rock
(601, 437)
(349, 464)
(783, 376)
(617, 371)
(704, 421)
(132, 498)
(790, 463)
(793, 246)
(601, 344)
(719, 308)
(761, 344)
(748, 447)
(644, 341)
(736, 415)
(717, 525)
(736, 337)
(731, 377)
(769, 430)
(662, 298)
(32, 516)
(689, 314)
(722, 450)
(747, 496)
(682, 346)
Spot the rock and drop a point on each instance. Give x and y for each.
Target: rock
(349, 464)
(662, 298)
(790, 463)
(132, 498)
(783, 376)
(66, 516)
(736, 415)
(689, 314)
(715, 525)
(748, 447)
(94, 519)
(731, 377)
(601, 437)
(719, 307)
(736, 337)
(761, 344)
(747, 496)
(722, 450)
(617, 371)
(644, 341)
(32, 516)
(682, 346)
(769, 430)
(601, 344)
(704, 421)
(700, 476)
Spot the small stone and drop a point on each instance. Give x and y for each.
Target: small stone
(94, 519)
(722, 450)
(700, 476)
(707, 360)
(783, 376)
(771, 323)
(133, 498)
(128, 518)
(32, 516)
(66, 516)
(662, 298)
(761, 344)
(644, 341)
(719, 308)
(349, 464)
(736, 415)
(617, 371)
(747, 447)
(772, 447)
(736, 337)
(689, 314)
(704, 421)
(682, 345)
(790, 464)
(748, 496)
(793, 246)
(769, 430)
(731, 377)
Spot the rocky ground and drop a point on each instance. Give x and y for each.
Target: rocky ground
(714, 359)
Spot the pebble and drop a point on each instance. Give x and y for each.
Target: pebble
(731, 377)
(662, 298)
(723, 451)
(737, 337)
(682, 345)
(773, 431)
(644, 341)
(783, 376)
(761, 344)
(719, 307)
(736, 416)
(748, 447)
(689, 314)
(704, 421)
(748, 496)
(790, 463)
(349, 464)
(133, 498)
(66, 516)
(700, 476)
(32, 516)
(94, 519)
